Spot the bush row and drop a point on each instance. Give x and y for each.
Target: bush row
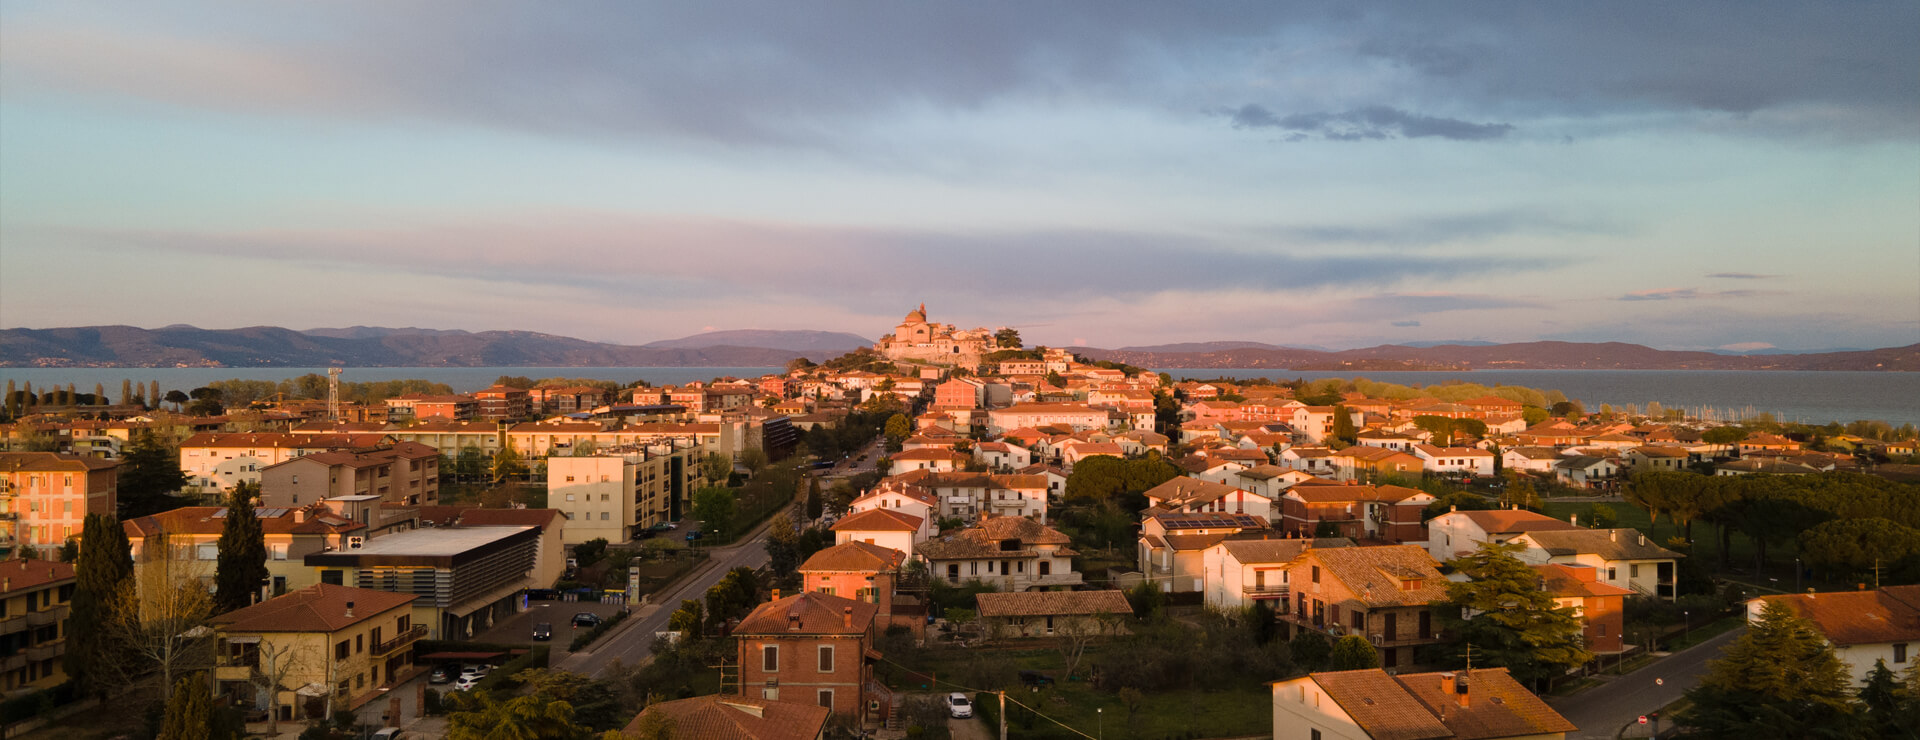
(586, 638)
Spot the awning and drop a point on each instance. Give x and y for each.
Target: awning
(243, 639)
(313, 689)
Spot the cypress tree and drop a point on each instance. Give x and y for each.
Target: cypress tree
(190, 711)
(154, 392)
(815, 505)
(126, 390)
(104, 567)
(73, 395)
(99, 394)
(242, 564)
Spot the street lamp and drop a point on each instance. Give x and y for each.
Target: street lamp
(1796, 575)
(1100, 715)
(1687, 619)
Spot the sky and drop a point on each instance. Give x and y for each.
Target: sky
(1696, 175)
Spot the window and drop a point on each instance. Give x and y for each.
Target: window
(1602, 629)
(826, 658)
(1900, 652)
(359, 643)
(603, 516)
(569, 498)
(1611, 575)
(279, 551)
(569, 479)
(826, 698)
(770, 658)
(1316, 574)
(606, 497)
(1633, 571)
(341, 650)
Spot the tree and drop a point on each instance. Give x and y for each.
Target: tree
(161, 615)
(189, 710)
(1507, 619)
(69, 550)
(480, 716)
(1858, 544)
(714, 507)
(1343, 428)
(126, 390)
(176, 398)
(898, 429)
(514, 381)
(1007, 338)
(1890, 711)
(1779, 679)
(1352, 653)
(1310, 650)
(242, 566)
(507, 464)
(104, 567)
(150, 474)
(800, 364)
(688, 619)
(754, 458)
(153, 392)
(274, 662)
(816, 506)
(783, 546)
(716, 468)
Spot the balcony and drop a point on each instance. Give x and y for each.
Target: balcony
(1264, 591)
(46, 651)
(13, 662)
(46, 617)
(9, 515)
(1009, 504)
(400, 640)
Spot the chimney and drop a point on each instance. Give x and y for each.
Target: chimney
(349, 610)
(1643, 539)
(299, 515)
(1460, 692)
(776, 595)
(846, 616)
(1446, 682)
(6, 584)
(1613, 535)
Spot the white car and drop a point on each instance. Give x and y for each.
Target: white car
(958, 706)
(466, 682)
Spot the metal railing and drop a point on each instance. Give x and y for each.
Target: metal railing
(400, 640)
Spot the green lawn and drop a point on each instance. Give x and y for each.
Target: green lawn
(1245, 709)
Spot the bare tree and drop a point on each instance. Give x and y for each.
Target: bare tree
(273, 662)
(161, 621)
(1071, 638)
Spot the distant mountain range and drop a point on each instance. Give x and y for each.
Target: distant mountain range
(362, 346)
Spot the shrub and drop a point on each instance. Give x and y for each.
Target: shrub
(587, 638)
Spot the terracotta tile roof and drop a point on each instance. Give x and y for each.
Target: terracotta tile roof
(1189, 491)
(1889, 614)
(1333, 494)
(26, 575)
(983, 540)
(808, 614)
(879, 520)
(1500, 521)
(321, 607)
(1497, 706)
(1609, 544)
(271, 440)
(1380, 705)
(1249, 552)
(1053, 603)
(203, 520)
(542, 518)
(931, 454)
(48, 461)
(729, 717)
(1374, 574)
(855, 557)
(1535, 453)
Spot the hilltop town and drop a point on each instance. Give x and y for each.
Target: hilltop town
(951, 534)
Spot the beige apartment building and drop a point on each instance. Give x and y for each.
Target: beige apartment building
(621, 491)
(215, 462)
(34, 595)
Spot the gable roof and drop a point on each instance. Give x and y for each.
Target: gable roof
(1373, 574)
(983, 540)
(1500, 521)
(854, 557)
(809, 614)
(879, 520)
(1189, 491)
(23, 575)
(1315, 493)
(730, 717)
(1563, 580)
(1052, 603)
(1609, 544)
(322, 607)
(1888, 614)
(1250, 552)
(1380, 705)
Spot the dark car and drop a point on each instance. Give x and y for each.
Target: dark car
(586, 619)
(543, 631)
(1035, 678)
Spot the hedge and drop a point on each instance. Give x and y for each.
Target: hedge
(28, 706)
(535, 658)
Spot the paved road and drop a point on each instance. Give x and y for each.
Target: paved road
(631, 642)
(1600, 712)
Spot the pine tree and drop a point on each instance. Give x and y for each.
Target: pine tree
(104, 568)
(1507, 619)
(242, 564)
(189, 711)
(1780, 679)
(149, 475)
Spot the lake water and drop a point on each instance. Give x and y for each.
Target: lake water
(1809, 396)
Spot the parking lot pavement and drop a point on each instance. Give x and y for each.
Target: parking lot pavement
(518, 629)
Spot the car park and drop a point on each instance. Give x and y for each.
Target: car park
(958, 706)
(543, 631)
(586, 619)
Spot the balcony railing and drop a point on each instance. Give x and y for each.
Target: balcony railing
(400, 640)
(46, 651)
(46, 617)
(1266, 590)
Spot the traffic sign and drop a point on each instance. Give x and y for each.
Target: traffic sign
(1643, 719)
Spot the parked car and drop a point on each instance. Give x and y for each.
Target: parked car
(476, 670)
(543, 631)
(586, 619)
(466, 682)
(1035, 678)
(390, 733)
(958, 706)
(440, 674)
